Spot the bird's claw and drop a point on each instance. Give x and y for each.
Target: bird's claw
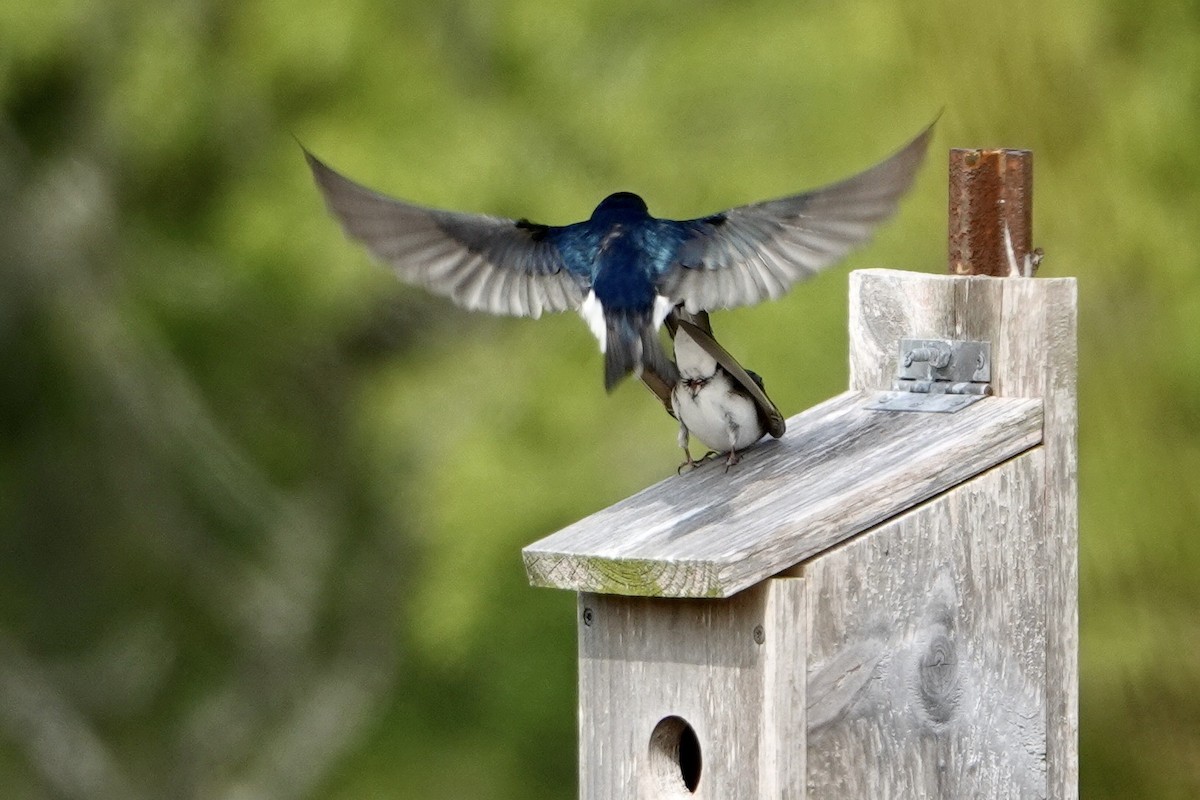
(693, 463)
(732, 459)
(690, 463)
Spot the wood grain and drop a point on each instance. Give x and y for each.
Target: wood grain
(927, 635)
(644, 659)
(913, 574)
(840, 469)
(1031, 323)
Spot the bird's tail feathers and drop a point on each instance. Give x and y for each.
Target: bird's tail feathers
(633, 346)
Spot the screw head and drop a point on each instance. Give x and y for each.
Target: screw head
(588, 616)
(760, 635)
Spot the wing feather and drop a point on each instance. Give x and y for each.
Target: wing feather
(754, 252)
(480, 262)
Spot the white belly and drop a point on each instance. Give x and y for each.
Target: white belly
(720, 419)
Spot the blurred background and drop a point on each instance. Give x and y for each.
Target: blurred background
(261, 506)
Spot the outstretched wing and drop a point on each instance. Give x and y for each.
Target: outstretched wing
(480, 262)
(751, 253)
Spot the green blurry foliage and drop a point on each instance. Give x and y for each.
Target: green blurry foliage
(261, 506)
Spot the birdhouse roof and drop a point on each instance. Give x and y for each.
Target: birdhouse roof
(842, 467)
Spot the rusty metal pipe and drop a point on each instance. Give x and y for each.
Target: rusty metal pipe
(991, 212)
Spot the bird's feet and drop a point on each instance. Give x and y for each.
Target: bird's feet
(691, 463)
(733, 458)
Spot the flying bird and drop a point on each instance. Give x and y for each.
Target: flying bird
(622, 269)
(715, 399)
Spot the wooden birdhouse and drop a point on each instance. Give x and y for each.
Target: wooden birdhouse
(881, 604)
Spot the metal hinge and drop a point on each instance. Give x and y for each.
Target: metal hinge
(938, 375)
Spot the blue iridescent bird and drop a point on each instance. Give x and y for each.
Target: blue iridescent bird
(623, 270)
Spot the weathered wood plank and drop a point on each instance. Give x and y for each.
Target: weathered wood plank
(784, 756)
(1031, 323)
(728, 668)
(840, 469)
(927, 635)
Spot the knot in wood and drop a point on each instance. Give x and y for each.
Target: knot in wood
(938, 678)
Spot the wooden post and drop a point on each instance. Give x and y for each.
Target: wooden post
(883, 603)
(1031, 323)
